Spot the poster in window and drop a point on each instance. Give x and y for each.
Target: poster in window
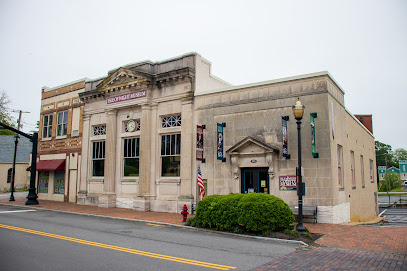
(59, 184)
(199, 143)
(219, 144)
(285, 140)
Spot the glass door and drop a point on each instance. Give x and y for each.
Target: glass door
(254, 180)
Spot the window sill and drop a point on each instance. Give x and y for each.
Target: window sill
(46, 139)
(163, 180)
(97, 180)
(61, 137)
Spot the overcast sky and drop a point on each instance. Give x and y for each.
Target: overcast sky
(361, 43)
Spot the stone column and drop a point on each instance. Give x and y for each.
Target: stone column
(108, 199)
(142, 202)
(187, 157)
(83, 181)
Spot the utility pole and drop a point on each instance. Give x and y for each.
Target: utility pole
(13, 174)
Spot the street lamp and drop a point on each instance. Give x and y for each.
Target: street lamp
(298, 111)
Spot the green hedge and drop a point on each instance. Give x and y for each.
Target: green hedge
(253, 212)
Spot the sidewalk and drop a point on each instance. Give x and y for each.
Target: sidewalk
(342, 247)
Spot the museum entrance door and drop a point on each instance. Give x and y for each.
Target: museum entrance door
(255, 180)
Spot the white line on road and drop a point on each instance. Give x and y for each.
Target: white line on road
(19, 211)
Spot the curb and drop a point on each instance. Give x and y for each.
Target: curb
(301, 243)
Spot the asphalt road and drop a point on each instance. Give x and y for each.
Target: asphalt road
(48, 240)
(395, 216)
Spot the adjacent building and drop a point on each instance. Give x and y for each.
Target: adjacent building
(22, 176)
(60, 142)
(147, 125)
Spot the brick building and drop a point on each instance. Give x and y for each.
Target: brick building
(60, 142)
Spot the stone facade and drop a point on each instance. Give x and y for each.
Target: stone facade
(60, 137)
(139, 140)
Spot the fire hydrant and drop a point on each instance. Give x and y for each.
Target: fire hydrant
(184, 213)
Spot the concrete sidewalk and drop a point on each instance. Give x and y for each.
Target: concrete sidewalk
(342, 247)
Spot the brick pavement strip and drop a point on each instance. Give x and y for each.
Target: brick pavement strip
(324, 258)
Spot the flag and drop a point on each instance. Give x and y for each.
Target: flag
(200, 183)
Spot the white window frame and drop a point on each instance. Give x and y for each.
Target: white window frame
(47, 126)
(340, 167)
(171, 150)
(62, 132)
(362, 171)
(352, 169)
(99, 155)
(136, 154)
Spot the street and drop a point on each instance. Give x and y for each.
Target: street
(47, 240)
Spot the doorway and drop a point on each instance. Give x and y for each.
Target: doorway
(255, 180)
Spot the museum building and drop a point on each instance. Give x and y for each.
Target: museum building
(147, 126)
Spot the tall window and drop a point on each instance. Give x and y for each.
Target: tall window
(59, 182)
(9, 173)
(340, 166)
(170, 155)
(131, 151)
(371, 170)
(98, 159)
(362, 171)
(47, 126)
(62, 125)
(352, 168)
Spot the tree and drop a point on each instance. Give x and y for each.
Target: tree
(400, 154)
(5, 116)
(383, 151)
(393, 179)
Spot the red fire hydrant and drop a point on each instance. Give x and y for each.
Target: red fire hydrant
(184, 213)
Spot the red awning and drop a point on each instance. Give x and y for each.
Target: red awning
(50, 165)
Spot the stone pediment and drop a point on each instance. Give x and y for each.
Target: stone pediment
(123, 78)
(251, 145)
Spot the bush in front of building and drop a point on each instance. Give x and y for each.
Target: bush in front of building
(262, 212)
(255, 212)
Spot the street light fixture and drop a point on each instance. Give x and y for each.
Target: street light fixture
(298, 111)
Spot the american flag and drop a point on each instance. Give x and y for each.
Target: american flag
(200, 183)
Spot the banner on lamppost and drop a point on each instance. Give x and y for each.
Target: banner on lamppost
(219, 144)
(199, 143)
(313, 148)
(285, 140)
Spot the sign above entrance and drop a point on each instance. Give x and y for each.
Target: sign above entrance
(126, 97)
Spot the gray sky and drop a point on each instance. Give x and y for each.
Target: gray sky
(361, 43)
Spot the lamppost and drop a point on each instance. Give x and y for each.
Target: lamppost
(298, 111)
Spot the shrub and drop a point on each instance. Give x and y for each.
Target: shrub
(393, 179)
(243, 212)
(262, 212)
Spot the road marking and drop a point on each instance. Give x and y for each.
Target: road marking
(154, 225)
(19, 211)
(123, 249)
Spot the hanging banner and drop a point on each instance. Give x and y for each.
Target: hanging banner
(219, 141)
(285, 140)
(313, 149)
(288, 182)
(199, 143)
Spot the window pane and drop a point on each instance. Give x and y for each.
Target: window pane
(137, 147)
(59, 183)
(66, 117)
(170, 166)
(65, 131)
(178, 144)
(167, 145)
(59, 118)
(43, 181)
(125, 148)
(172, 144)
(133, 147)
(45, 121)
(162, 145)
(50, 120)
(98, 168)
(131, 167)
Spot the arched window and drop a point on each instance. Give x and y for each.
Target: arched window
(9, 172)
